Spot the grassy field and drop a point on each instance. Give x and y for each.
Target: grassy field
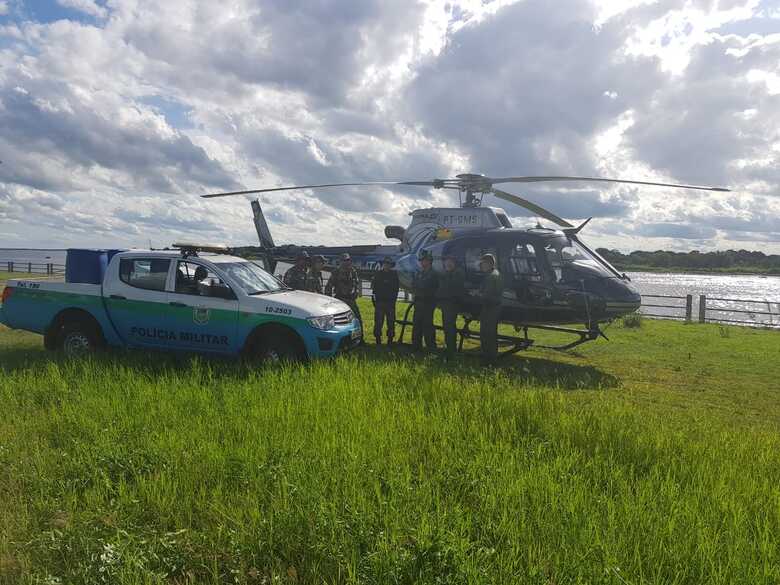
(652, 458)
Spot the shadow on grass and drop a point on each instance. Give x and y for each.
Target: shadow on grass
(531, 370)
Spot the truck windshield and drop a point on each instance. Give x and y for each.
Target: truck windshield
(251, 278)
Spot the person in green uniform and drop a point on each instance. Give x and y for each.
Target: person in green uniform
(384, 291)
(452, 286)
(295, 277)
(424, 286)
(314, 281)
(344, 283)
(490, 293)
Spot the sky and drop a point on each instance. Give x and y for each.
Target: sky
(115, 115)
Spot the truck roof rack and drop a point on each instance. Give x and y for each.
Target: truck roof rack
(192, 249)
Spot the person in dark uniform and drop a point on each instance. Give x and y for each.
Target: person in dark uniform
(314, 281)
(424, 288)
(295, 277)
(384, 287)
(490, 293)
(452, 286)
(344, 283)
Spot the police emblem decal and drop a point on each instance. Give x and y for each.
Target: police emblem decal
(200, 315)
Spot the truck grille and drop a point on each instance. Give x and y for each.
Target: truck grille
(344, 318)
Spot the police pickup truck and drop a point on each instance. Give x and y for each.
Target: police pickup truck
(180, 300)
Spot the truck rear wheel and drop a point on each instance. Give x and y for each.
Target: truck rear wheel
(77, 339)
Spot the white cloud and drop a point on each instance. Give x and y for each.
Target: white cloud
(3, 7)
(124, 122)
(89, 7)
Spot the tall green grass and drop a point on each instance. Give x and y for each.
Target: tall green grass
(380, 468)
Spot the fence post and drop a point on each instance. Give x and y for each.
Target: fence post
(29, 267)
(688, 308)
(10, 266)
(702, 308)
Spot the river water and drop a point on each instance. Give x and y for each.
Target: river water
(764, 290)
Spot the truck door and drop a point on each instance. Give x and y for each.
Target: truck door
(200, 320)
(137, 301)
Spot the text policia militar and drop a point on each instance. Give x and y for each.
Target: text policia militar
(168, 335)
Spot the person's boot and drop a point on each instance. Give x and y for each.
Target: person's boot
(379, 341)
(390, 341)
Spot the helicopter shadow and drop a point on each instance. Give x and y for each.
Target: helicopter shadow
(530, 370)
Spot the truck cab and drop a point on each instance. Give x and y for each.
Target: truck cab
(183, 300)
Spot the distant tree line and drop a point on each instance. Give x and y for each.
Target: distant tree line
(722, 261)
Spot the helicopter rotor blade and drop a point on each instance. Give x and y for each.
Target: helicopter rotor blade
(540, 211)
(434, 183)
(477, 183)
(600, 180)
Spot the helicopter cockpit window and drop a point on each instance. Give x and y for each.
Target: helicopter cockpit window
(474, 256)
(563, 252)
(523, 263)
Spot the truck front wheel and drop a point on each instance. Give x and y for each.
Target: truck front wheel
(77, 338)
(277, 350)
(275, 344)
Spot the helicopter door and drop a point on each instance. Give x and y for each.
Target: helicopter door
(525, 277)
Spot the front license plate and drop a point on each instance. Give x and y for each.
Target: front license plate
(357, 333)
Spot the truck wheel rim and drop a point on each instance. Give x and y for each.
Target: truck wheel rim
(77, 344)
(272, 355)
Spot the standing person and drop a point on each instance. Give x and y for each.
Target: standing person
(314, 281)
(490, 293)
(452, 287)
(384, 287)
(424, 288)
(344, 283)
(295, 277)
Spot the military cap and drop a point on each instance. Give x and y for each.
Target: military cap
(345, 257)
(302, 255)
(488, 258)
(387, 260)
(318, 258)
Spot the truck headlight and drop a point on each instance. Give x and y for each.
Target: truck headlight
(325, 322)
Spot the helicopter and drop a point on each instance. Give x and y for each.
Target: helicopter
(552, 279)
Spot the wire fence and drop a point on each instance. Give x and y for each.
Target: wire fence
(37, 268)
(753, 312)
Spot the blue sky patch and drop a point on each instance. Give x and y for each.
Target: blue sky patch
(176, 114)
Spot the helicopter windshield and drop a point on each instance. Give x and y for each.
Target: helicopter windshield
(563, 252)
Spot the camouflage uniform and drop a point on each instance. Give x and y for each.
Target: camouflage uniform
(490, 293)
(314, 281)
(344, 283)
(295, 278)
(424, 288)
(384, 286)
(452, 286)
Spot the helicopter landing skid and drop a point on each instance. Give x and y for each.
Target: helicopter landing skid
(512, 343)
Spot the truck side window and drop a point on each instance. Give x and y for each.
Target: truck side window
(191, 277)
(145, 273)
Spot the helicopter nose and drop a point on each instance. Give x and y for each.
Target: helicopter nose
(621, 297)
